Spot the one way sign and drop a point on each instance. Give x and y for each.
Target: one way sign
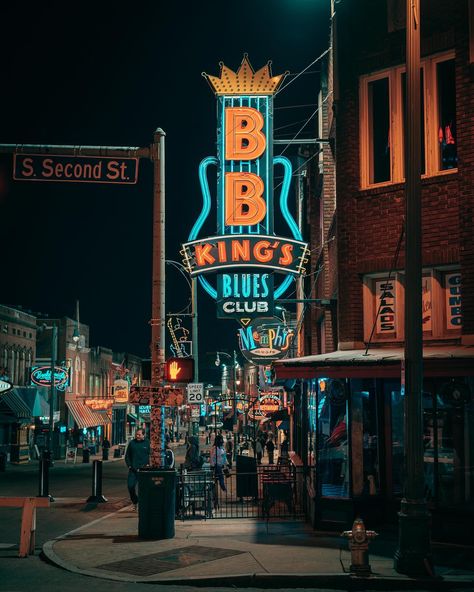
(195, 392)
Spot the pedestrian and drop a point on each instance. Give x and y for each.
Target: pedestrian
(259, 451)
(137, 456)
(169, 457)
(284, 450)
(192, 460)
(218, 460)
(270, 446)
(106, 443)
(229, 448)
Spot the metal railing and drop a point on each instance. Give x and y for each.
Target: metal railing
(271, 491)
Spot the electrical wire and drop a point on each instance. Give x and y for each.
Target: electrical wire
(382, 296)
(303, 71)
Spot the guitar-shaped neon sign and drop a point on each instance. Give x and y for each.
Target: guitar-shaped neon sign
(245, 194)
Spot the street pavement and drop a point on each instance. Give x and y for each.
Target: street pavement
(100, 540)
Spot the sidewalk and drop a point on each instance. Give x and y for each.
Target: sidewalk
(240, 552)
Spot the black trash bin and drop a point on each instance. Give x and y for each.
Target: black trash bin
(86, 455)
(156, 503)
(3, 462)
(105, 454)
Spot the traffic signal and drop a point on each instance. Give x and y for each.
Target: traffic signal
(179, 370)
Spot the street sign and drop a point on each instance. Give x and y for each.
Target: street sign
(5, 386)
(195, 392)
(75, 169)
(156, 395)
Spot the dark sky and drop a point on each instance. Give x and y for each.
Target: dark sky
(101, 74)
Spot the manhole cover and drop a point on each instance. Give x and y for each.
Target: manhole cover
(147, 565)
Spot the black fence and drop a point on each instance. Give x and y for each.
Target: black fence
(267, 491)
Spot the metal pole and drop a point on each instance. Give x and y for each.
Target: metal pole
(413, 556)
(234, 406)
(299, 280)
(195, 341)
(54, 348)
(158, 294)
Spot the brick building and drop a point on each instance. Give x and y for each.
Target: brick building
(351, 399)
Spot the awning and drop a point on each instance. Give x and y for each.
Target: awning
(454, 360)
(284, 424)
(14, 402)
(132, 418)
(84, 416)
(279, 415)
(106, 415)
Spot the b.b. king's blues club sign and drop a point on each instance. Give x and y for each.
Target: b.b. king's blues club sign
(253, 265)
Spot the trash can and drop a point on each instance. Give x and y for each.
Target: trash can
(3, 462)
(86, 455)
(105, 454)
(156, 503)
(116, 452)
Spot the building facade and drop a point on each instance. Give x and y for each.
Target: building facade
(351, 392)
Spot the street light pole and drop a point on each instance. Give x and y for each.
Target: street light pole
(413, 556)
(52, 391)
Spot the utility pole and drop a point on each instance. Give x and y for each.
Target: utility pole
(413, 556)
(158, 311)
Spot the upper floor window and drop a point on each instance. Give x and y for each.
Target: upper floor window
(383, 121)
(384, 305)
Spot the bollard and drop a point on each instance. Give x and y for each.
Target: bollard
(105, 454)
(43, 478)
(359, 539)
(96, 496)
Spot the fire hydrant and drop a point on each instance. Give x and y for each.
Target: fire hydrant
(359, 539)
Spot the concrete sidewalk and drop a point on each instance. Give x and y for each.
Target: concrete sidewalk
(240, 552)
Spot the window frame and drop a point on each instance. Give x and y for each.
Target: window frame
(439, 329)
(430, 98)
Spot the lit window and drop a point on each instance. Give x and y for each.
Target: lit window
(383, 121)
(384, 303)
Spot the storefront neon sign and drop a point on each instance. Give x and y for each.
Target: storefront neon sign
(245, 193)
(41, 375)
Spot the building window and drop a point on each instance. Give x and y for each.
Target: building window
(4, 328)
(383, 120)
(384, 304)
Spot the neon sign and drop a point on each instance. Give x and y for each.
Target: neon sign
(265, 340)
(41, 375)
(245, 238)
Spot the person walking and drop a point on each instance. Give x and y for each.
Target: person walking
(259, 451)
(229, 448)
(137, 456)
(270, 446)
(218, 460)
(192, 460)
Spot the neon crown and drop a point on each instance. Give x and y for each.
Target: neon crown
(245, 80)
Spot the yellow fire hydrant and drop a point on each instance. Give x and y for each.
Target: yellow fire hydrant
(359, 539)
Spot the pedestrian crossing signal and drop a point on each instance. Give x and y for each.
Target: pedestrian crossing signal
(179, 370)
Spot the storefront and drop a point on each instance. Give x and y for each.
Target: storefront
(85, 426)
(349, 430)
(22, 412)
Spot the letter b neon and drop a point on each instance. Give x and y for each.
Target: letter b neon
(244, 203)
(244, 139)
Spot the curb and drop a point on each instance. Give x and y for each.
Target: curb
(268, 580)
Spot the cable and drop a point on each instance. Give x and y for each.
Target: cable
(307, 121)
(394, 265)
(303, 71)
(295, 106)
(299, 168)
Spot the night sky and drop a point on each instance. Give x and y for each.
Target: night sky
(100, 74)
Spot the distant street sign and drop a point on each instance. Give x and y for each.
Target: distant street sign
(156, 395)
(75, 169)
(5, 386)
(195, 392)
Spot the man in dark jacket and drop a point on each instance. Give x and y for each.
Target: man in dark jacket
(136, 457)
